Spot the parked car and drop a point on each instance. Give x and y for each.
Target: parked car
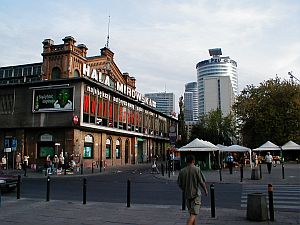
(8, 182)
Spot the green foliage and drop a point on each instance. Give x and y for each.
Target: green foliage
(269, 112)
(215, 128)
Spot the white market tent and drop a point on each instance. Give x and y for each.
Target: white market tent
(198, 145)
(290, 146)
(268, 146)
(235, 148)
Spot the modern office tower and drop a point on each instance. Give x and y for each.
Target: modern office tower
(165, 102)
(217, 83)
(191, 102)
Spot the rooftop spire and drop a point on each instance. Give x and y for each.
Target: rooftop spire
(107, 40)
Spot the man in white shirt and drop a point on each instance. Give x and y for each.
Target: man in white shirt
(269, 160)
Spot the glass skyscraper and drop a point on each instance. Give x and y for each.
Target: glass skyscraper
(191, 102)
(165, 102)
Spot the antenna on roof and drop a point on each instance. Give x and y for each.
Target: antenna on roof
(107, 40)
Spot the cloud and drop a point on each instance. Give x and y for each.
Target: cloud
(160, 42)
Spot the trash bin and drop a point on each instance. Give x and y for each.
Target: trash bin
(254, 174)
(257, 207)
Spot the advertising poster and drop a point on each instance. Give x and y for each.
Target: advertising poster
(54, 99)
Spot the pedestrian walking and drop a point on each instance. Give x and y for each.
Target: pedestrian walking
(4, 162)
(190, 181)
(18, 161)
(254, 159)
(269, 160)
(230, 160)
(154, 167)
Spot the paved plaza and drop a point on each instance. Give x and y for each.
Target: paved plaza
(38, 211)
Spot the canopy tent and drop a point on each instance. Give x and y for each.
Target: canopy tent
(290, 146)
(268, 146)
(235, 148)
(199, 146)
(202, 150)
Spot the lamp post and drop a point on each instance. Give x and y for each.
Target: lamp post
(293, 77)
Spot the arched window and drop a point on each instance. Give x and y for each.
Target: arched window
(108, 148)
(55, 73)
(76, 73)
(118, 149)
(88, 150)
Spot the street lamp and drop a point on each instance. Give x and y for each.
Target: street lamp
(293, 77)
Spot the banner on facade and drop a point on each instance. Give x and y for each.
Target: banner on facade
(54, 99)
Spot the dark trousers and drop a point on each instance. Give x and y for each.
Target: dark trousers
(269, 166)
(230, 165)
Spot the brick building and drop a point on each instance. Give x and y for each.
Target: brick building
(83, 107)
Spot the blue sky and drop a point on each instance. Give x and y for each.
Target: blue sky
(159, 42)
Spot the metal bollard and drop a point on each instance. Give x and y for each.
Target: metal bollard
(92, 167)
(65, 169)
(183, 201)
(162, 170)
(0, 198)
(48, 189)
(220, 173)
(101, 164)
(84, 191)
(282, 169)
(271, 204)
(212, 201)
(81, 168)
(128, 193)
(242, 172)
(18, 186)
(260, 173)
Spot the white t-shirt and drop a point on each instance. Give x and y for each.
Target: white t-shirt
(268, 158)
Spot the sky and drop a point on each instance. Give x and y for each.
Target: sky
(159, 42)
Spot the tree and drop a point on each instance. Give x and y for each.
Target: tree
(215, 128)
(269, 112)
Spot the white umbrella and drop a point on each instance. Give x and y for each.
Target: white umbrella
(290, 146)
(268, 146)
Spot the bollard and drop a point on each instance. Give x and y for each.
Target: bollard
(212, 201)
(0, 198)
(220, 173)
(128, 193)
(166, 167)
(162, 170)
(48, 189)
(183, 201)
(242, 172)
(84, 191)
(282, 169)
(260, 173)
(169, 171)
(101, 164)
(65, 169)
(18, 186)
(271, 204)
(81, 168)
(92, 167)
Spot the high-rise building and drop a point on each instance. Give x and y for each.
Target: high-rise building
(217, 83)
(191, 102)
(165, 102)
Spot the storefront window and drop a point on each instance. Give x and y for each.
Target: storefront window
(88, 148)
(118, 149)
(108, 148)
